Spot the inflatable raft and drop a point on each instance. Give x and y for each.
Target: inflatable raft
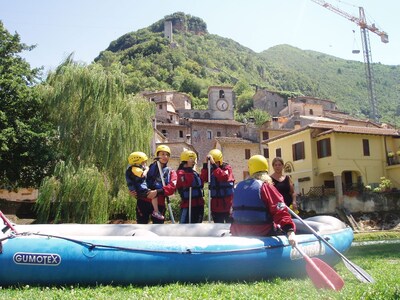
(158, 253)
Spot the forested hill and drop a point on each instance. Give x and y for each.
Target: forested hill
(197, 59)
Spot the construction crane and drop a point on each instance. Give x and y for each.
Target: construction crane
(364, 28)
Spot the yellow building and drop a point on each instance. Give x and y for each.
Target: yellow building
(337, 157)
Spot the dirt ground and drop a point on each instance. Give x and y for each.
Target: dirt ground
(378, 221)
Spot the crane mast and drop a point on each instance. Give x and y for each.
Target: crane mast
(364, 28)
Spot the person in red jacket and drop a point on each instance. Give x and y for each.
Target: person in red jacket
(258, 207)
(190, 189)
(221, 186)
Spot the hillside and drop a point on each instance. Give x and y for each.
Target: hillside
(198, 59)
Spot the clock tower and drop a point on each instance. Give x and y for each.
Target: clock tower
(221, 102)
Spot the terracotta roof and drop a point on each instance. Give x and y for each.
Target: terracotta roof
(340, 128)
(220, 122)
(359, 130)
(342, 115)
(320, 118)
(232, 140)
(165, 124)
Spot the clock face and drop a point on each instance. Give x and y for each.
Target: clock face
(222, 104)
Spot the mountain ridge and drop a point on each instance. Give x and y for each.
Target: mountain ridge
(197, 59)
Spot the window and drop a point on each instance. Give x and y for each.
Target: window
(247, 153)
(276, 104)
(164, 132)
(209, 134)
(265, 135)
(324, 148)
(266, 152)
(221, 94)
(181, 133)
(278, 152)
(218, 133)
(311, 112)
(366, 147)
(298, 151)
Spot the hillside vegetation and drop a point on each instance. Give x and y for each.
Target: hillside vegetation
(198, 59)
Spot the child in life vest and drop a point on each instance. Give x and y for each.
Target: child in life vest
(190, 188)
(136, 180)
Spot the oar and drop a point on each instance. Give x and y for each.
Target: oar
(321, 274)
(190, 205)
(7, 222)
(209, 190)
(163, 183)
(360, 274)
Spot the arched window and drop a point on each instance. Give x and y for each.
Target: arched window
(221, 94)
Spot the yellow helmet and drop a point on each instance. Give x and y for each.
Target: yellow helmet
(163, 148)
(257, 163)
(137, 158)
(188, 154)
(216, 155)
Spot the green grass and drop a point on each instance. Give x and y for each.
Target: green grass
(381, 261)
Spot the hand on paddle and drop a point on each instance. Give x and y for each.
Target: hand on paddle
(292, 238)
(210, 158)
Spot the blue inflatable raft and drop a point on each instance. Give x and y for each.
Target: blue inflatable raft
(154, 253)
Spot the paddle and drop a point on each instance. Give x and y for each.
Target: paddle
(190, 205)
(163, 183)
(321, 274)
(209, 190)
(359, 273)
(7, 222)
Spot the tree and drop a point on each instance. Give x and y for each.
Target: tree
(99, 124)
(26, 135)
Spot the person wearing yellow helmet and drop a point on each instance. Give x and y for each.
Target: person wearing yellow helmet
(135, 176)
(161, 182)
(221, 185)
(190, 189)
(258, 207)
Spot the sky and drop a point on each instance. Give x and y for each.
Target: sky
(87, 27)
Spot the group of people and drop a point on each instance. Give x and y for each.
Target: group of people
(255, 207)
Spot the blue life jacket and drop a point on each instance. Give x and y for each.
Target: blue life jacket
(197, 189)
(153, 178)
(248, 207)
(135, 183)
(220, 189)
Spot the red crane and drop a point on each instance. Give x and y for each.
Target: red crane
(364, 28)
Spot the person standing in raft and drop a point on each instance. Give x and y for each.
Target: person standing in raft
(221, 186)
(190, 189)
(258, 207)
(283, 183)
(136, 180)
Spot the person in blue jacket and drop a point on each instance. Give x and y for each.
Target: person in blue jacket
(135, 176)
(258, 207)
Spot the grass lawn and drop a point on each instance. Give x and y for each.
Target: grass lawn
(381, 261)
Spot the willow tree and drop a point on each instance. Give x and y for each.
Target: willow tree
(99, 125)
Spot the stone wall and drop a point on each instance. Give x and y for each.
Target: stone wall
(366, 202)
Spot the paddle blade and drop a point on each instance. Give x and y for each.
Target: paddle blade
(357, 271)
(322, 275)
